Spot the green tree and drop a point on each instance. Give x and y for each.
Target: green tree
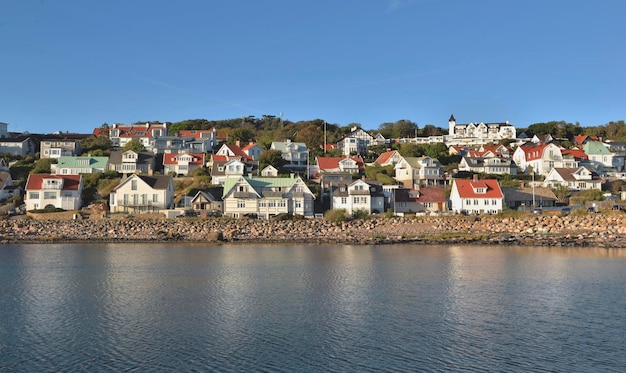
(134, 145)
(311, 135)
(410, 149)
(42, 166)
(271, 157)
(400, 129)
(561, 192)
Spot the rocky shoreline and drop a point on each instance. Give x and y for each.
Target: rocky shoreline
(597, 230)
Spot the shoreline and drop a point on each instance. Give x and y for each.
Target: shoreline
(591, 230)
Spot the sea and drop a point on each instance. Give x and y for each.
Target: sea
(311, 308)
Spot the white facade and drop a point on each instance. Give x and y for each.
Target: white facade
(142, 194)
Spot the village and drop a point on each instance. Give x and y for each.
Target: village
(197, 173)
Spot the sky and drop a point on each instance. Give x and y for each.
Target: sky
(73, 65)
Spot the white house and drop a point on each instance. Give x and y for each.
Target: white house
(415, 171)
(267, 196)
(182, 163)
(580, 178)
(602, 159)
(141, 194)
(295, 153)
(72, 165)
(485, 132)
(356, 142)
(476, 196)
(49, 190)
(542, 158)
(358, 196)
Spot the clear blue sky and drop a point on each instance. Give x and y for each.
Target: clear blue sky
(72, 65)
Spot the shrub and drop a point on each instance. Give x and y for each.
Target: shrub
(336, 216)
(360, 214)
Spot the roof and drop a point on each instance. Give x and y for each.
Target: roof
(384, 157)
(526, 193)
(576, 153)
(82, 162)
(329, 163)
(532, 152)
(567, 174)
(466, 188)
(596, 147)
(155, 182)
(70, 182)
(422, 195)
(142, 157)
(171, 158)
(196, 134)
(259, 183)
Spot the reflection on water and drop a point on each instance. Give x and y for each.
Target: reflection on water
(310, 308)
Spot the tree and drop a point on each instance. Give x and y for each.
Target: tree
(409, 149)
(561, 192)
(311, 135)
(134, 145)
(400, 129)
(271, 157)
(42, 166)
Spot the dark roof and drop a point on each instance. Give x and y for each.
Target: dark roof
(156, 182)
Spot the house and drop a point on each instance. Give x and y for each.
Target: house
(230, 150)
(203, 140)
(142, 194)
(182, 163)
(359, 195)
(55, 146)
(488, 165)
(170, 144)
(581, 178)
(542, 158)
(355, 142)
(476, 196)
(209, 200)
(146, 134)
(407, 200)
(295, 153)
(346, 164)
(458, 150)
(414, 172)
(528, 197)
(388, 158)
(18, 145)
(601, 158)
(53, 191)
(574, 158)
(266, 196)
(583, 139)
(498, 150)
(485, 132)
(542, 139)
(71, 165)
(269, 171)
(222, 167)
(7, 189)
(253, 151)
(128, 162)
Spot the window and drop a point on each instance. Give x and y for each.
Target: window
(344, 200)
(282, 203)
(298, 204)
(49, 195)
(155, 197)
(475, 202)
(33, 195)
(133, 185)
(241, 204)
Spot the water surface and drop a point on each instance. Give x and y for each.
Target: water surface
(285, 308)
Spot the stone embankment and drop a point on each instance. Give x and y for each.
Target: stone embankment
(601, 230)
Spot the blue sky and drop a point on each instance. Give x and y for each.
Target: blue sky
(72, 65)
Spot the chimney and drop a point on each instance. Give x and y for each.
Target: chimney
(475, 177)
(238, 143)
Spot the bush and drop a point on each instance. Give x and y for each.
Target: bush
(336, 216)
(360, 214)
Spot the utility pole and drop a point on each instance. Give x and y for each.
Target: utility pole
(324, 137)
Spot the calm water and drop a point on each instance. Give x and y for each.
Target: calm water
(311, 309)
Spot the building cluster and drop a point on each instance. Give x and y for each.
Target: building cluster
(241, 188)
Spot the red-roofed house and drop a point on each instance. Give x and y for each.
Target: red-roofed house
(253, 150)
(583, 139)
(146, 134)
(182, 163)
(231, 150)
(350, 165)
(388, 158)
(542, 157)
(476, 196)
(49, 190)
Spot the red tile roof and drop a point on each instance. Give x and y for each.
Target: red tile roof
(532, 152)
(467, 188)
(329, 163)
(170, 158)
(576, 153)
(70, 182)
(193, 133)
(383, 158)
